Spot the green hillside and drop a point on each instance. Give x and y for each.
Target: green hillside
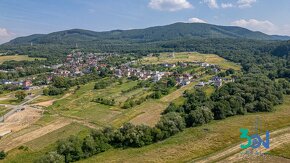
(158, 33)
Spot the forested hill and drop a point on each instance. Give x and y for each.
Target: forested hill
(159, 33)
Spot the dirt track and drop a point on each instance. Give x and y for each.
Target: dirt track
(10, 143)
(232, 154)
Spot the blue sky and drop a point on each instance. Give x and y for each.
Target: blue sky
(25, 17)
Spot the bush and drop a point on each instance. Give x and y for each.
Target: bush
(51, 157)
(170, 124)
(2, 155)
(200, 116)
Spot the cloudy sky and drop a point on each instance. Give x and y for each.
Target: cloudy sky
(25, 17)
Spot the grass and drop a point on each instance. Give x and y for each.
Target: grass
(18, 58)
(80, 105)
(46, 143)
(3, 110)
(11, 101)
(282, 151)
(191, 56)
(200, 141)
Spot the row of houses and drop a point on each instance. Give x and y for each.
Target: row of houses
(140, 74)
(24, 84)
(216, 81)
(78, 63)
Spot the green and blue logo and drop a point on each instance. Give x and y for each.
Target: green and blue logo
(254, 141)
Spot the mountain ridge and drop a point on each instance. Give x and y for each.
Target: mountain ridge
(150, 34)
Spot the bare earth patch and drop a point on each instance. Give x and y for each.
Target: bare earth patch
(45, 103)
(20, 120)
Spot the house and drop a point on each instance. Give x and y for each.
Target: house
(215, 70)
(184, 82)
(204, 65)
(187, 76)
(218, 82)
(27, 83)
(200, 84)
(6, 82)
(157, 77)
(118, 73)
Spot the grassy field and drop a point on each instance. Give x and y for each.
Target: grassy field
(17, 58)
(3, 110)
(283, 151)
(189, 57)
(200, 141)
(46, 143)
(80, 105)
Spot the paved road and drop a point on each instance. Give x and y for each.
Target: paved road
(16, 107)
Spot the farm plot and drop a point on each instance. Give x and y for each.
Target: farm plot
(18, 58)
(189, 57)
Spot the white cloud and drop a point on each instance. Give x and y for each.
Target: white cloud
(5, 35)
(245, 3)
(4, 32)
(264, 26)
(169, 5)
(195, 20)
(211, 3)
(227, 5)
(257, 25)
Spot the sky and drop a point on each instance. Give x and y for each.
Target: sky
(26, 17)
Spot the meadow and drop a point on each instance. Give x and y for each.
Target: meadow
(18, 58)
(200, 141)
(189, 57)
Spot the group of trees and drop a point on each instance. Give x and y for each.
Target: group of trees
(162, 87)
(75, 148)
(20, 95)
(102, 84)
(250, 93)
(60, 84)
(110, 102)
(2, 155)
(130, 102)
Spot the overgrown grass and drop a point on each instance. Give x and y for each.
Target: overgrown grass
(3, 110)
(46, 143)
(200, 141)
(18, 58)
(282, 151)
(191, 56)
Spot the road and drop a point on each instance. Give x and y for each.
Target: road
(232, 154)
(16, 107)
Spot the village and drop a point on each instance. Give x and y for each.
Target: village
(78, 64)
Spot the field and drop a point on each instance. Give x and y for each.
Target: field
(46, 143)
(3, 110)
(17, 58)
(200, 141)
(282, 151)
(74, 113)
(189, 57)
